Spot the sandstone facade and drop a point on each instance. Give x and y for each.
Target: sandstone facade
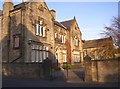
(30, 33)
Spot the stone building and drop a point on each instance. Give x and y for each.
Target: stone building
(99, 48)
(30, 33)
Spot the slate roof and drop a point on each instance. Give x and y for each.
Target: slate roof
(20, 5)
(59, 24)
(97, 43)
(67, 23)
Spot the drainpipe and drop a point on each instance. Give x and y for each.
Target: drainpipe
(8, 41)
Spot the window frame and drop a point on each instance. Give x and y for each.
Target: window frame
(14, 36)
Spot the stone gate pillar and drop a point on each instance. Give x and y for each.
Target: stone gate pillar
(88, 72)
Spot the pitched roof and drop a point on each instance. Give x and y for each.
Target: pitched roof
(97, 43)
(67, 23)
(59, 24)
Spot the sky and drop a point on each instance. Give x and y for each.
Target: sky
(91, 17)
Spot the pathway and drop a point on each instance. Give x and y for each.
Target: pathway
(74, 76)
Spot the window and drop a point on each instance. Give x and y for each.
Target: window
(76, 57)
(37, 47)
(41, 57)
(39, 53)
(55, 35)
(33, 47)
(33, 56)
(43, 32)
(60, 38)
(45, 52)
(76, 42)
(33, 53)
(40, 31)
(64, 39)
(64, 58)
(37, 29)
(16, 39)
(40, 28)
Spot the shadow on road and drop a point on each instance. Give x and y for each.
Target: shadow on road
(80, 73)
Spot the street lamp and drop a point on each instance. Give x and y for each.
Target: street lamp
(67, 69)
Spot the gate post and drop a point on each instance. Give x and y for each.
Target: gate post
(88, 72)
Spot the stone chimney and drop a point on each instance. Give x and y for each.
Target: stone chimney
(53, 12)
(7, 6)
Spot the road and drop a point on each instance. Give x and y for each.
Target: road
(74, 80)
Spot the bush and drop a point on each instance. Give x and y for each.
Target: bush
(66, 66)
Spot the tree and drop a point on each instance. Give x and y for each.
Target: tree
(113, 31)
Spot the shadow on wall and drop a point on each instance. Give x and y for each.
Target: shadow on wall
(108, 70)
(15, 65)
(111, 78)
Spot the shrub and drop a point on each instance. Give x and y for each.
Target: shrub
(66, 66)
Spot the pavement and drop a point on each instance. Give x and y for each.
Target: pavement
(75, 78)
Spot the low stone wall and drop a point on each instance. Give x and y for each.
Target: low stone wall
(102, 71)
(23, 70)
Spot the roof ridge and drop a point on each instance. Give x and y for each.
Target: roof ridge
(67, 20)
(99, 39)
(61, 24)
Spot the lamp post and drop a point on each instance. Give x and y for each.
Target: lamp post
(67, 69)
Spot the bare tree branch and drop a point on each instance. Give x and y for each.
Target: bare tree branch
(113, 31)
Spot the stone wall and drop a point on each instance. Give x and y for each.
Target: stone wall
(23, 70)
(102, 71)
